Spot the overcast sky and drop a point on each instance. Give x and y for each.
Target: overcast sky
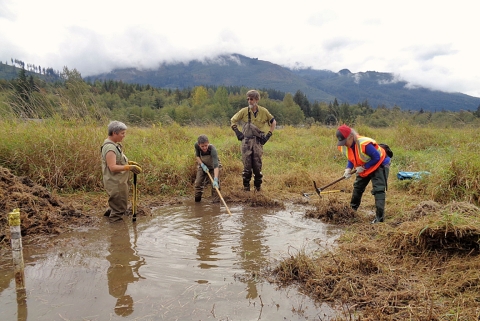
(427, 43)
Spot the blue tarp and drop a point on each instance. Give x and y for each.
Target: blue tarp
(411, 175)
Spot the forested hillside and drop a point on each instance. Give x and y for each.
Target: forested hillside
(71, 97)
(379, 89)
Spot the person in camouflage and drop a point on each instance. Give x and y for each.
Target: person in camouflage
(256, 121)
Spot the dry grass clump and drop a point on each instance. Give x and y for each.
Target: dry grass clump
(41, 212)
(454, 227)
(333, 211)
(353, 277)
(423, 269)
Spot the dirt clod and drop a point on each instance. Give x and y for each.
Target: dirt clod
(41, 213)
(333, 211)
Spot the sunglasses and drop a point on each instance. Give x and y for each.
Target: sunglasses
(249, 98)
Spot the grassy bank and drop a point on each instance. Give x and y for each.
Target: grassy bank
(422, 264)
(65, 156)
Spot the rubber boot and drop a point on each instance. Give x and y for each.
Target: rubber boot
(198, 198)
(355, 201)
(246, 185)
(257, 182)
(379, 211)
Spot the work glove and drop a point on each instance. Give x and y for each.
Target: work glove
(347, 173)
(204, 167)
(237, 132)
(133, 163)
(215, 183)
(265, 138)
(133, 168)
(360, 169)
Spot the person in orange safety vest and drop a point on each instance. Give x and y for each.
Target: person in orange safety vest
(371, 163)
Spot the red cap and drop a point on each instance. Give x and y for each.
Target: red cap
(342, 133)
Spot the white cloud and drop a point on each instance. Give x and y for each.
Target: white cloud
(427, 43)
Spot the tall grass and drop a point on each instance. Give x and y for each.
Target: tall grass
(65, 155)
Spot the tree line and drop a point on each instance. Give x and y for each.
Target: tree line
(70, 97)
(33, 68)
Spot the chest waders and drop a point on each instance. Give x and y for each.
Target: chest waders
(116, 184)
(252, 151)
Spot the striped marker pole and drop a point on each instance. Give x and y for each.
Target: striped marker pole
(17, 253)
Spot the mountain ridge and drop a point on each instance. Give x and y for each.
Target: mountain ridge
(236, 70)
(378, 88)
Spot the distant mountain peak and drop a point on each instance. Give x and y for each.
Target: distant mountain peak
(344, 72)
(224, 60)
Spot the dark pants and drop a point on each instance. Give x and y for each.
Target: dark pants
(379, 180)
(203, 180)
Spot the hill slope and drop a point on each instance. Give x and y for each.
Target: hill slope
(380, 89)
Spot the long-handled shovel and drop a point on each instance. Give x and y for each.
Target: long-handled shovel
(218, 191)
(135, 198)
(319, 190)
(324, 192)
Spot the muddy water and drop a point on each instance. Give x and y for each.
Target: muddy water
(191, 261)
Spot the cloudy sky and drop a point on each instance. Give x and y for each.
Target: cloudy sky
(427, 43)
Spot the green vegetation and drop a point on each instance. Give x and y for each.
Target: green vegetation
(63, 154)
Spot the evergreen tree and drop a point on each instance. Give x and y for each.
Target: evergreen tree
(301, 100)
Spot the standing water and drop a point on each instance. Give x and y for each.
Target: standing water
(191, 261)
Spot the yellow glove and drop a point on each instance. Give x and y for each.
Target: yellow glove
(133, 163)
(134, 168)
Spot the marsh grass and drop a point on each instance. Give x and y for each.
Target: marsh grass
(64, 155)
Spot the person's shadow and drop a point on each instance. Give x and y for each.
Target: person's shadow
(124, 266)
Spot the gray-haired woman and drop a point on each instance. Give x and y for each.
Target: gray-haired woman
(115, 170)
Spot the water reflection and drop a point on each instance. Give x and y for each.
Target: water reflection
(251, 250)
(124, 267)
(22, 310)
(6, 279)
(208, 235)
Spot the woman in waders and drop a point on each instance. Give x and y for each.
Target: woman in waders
(115, 169)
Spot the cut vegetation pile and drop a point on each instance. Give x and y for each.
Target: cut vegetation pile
(40, 212)
(334, 211)
(425, 266)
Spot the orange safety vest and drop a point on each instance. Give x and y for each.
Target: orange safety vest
(358, 157)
